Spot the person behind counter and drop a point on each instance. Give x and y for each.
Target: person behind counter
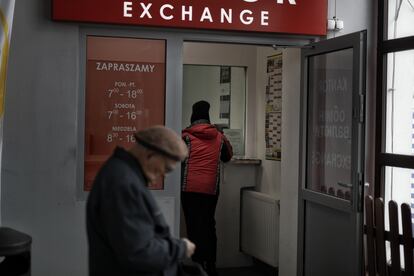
(127, 233)
(200, 183)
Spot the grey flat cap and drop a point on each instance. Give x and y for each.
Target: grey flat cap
(163, 140)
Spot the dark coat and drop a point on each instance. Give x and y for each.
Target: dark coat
(127, 233)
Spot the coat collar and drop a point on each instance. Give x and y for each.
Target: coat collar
(131, 160)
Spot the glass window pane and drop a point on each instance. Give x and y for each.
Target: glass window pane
(400, 103)
(330, 123)
(399, 186)
(400, 18)
(224, 87)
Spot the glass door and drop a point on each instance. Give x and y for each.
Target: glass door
(332, 157)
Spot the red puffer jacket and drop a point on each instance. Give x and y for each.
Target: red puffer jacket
(201, 170)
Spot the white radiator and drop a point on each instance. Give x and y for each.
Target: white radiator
(260, 227)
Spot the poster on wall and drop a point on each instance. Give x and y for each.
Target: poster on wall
(225, 93)
(273, 124)
(125, 92)
(236, 140)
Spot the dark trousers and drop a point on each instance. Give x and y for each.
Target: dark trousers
(199, 210)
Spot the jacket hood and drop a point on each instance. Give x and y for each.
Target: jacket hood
(202, 131)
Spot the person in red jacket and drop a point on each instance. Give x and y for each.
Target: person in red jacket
(207, 147)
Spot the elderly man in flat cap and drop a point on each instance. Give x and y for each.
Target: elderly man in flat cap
(127, 233)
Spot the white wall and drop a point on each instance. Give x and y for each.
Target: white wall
(209, 91)
(238, 98)
(288, 232)
(281, 178)
(40, 136)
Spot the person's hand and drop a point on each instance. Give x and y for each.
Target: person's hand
(190, 247)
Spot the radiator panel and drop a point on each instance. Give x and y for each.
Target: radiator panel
(260, 227)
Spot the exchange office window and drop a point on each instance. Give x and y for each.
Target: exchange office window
(224, 87)
(395, 107)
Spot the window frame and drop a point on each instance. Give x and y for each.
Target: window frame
(384, 47)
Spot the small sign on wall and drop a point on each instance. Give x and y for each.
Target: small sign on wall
(225, 93)
(125, 92)
(236, 139)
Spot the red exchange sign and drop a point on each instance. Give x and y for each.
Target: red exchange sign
(300, 17)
